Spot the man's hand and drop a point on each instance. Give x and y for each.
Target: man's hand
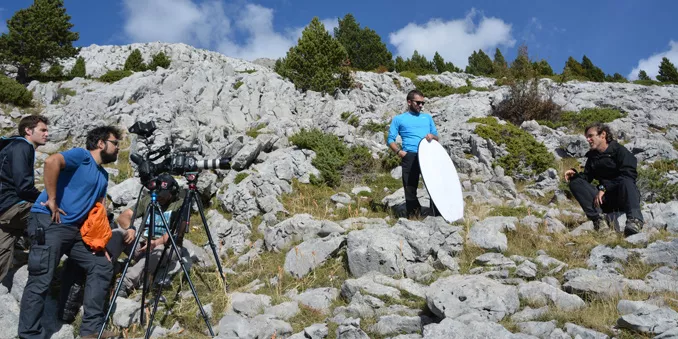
(153, 244)
(568, 174)
(402, 153)
(54, 208)
(129, 236)
(430, 137)
(598, 201)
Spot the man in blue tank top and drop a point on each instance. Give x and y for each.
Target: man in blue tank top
(412, 126)
(74, 182)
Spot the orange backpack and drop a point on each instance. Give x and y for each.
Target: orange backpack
(96, 231)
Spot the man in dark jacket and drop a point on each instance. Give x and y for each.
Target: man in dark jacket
(17, 183)
(615, 169)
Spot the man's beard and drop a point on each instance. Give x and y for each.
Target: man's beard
(107, 158)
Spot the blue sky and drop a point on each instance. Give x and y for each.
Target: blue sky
(618, 36)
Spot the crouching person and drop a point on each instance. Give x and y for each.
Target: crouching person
(75, 182)
(615, 169)
(170, 200)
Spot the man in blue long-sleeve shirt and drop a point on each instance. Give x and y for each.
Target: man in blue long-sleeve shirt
(412, 126)
(17, 183)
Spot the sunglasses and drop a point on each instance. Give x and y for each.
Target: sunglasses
(114, 142)
(420, 103)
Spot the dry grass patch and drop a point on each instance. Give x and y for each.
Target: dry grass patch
(315, 200)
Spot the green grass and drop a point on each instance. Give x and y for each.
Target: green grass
(255, 131)
(237, 84)
(240, 177)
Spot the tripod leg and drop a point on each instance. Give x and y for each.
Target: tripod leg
(209, 238)
(176, 252)
(151, 230)
(158, 291)
(124, 271)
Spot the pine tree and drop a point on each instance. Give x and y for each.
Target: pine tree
(35, 35)
(592, 72)
(419, 64)
(450, 67)
(439, 63)
(400, 65)
(573, 69)
(135, 62)
(667, 72)
(78, 70)
(479, 64)
(313, 63)
(159, 60)
(364, 47)
(55, 73)
(521, 67)
(499, 63)
(543, 68)
(643, 76)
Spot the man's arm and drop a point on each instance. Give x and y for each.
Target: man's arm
(392, 134)
(626, 162)
(22, 173)
(125, 218)
(53, 166)
(433, 131)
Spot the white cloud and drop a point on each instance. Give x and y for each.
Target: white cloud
(651, 64)
(455, 40)
(212, 25)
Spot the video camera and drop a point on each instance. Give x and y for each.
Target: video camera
(175, 163)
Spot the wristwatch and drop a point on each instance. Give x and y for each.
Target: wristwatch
(601, 188)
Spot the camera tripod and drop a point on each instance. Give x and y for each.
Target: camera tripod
(183, 225)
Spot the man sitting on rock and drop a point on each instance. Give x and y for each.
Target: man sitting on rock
(412, 126)
(615, 169)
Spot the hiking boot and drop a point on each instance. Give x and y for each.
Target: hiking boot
(633, 226)
(601, 224)
(105, 335)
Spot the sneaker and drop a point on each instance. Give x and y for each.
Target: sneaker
(105, 335)
(601, 224)
(633, 226)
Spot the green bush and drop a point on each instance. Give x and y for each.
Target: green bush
(389, 161)
(652, 181)
(237, 84)
(437, 89)
(159, 60)
(115, 75)
(647, 82)
(333, 158)
(345, 115)
(331, 154)
(524, 101)
(135, 62)
(254, 132)
(375, 127)
(353, 121)
(12, 92)
(525, 157)
(409, 74)
(577, 121)
(359, 161)
(79, 70)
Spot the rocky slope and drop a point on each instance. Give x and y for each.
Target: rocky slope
(518, 266)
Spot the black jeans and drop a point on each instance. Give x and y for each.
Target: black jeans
(411, 173)
(621, 195)
(42, 262)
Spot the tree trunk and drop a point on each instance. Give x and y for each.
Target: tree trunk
(22, 75)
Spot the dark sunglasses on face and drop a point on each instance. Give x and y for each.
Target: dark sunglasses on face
(420, 103)
(114, 142)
